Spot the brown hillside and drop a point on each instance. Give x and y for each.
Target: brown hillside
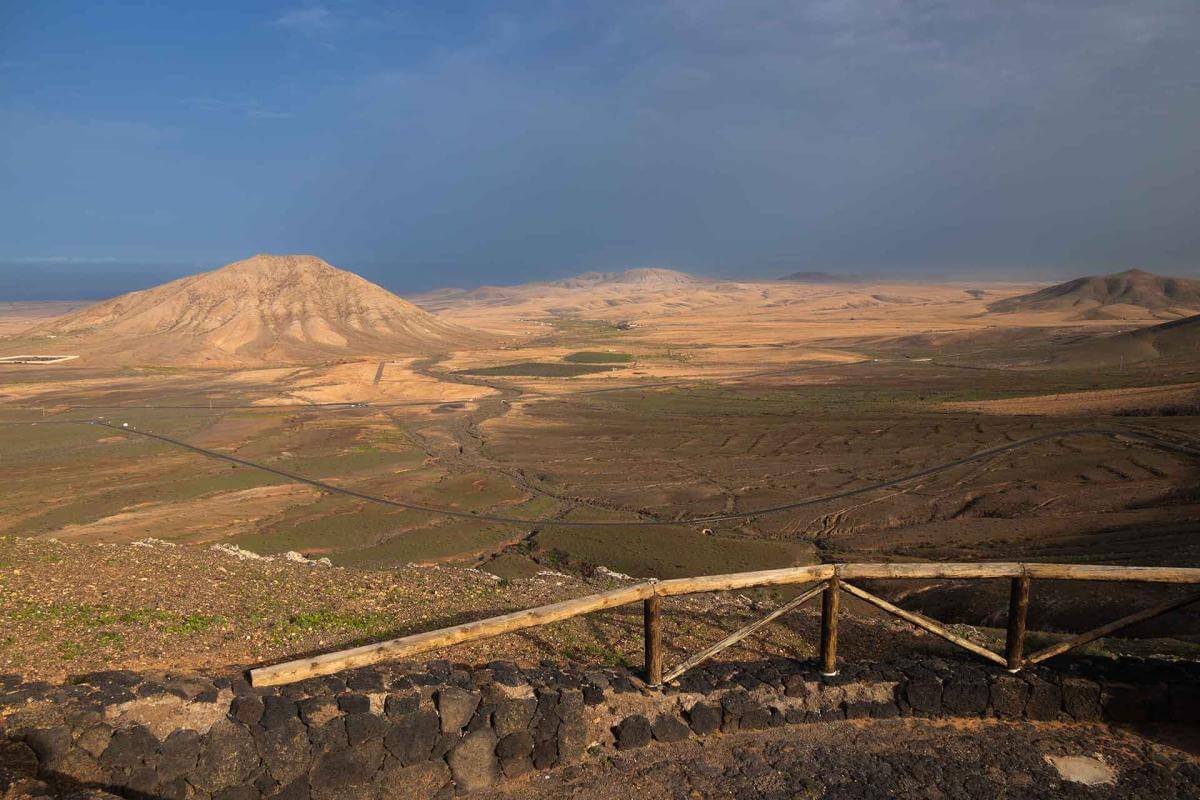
(1178, 340)
(265, 309)
(1123, 295)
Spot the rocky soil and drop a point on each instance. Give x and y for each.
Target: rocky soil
(70, 608)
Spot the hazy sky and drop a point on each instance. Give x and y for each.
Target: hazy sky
(454, 143)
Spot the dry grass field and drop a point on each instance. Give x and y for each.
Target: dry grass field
(635, 398)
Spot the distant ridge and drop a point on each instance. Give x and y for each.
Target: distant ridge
(265, 309)
(645, 281)
(1123, 295)
(644, 276)
(815, 277)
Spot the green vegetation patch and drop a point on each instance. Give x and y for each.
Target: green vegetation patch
(474, 491)
(332, 524)
(86, 617)
(535, 369)
(705, 401)
(167, 489)
(361, 458)
(671, 552)
(457, 540)
(598, 357)
(574, 331)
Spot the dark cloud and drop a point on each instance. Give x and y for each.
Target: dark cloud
(901, 136)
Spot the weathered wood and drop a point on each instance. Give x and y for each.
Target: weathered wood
(404, 646)
(1090, 572)
(1078, 572)
(926, 570)
(652, 622)
(1112, 627)
(742, 633)
(920, 621)
(830, 602)
(409, 645)
(744, 580)
(1018, 609)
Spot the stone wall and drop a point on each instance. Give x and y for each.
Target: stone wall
(438, 729)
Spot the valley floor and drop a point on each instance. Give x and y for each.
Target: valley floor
(718, 402)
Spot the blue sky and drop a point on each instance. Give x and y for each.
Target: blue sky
(433, 144)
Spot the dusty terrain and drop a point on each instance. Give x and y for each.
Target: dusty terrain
(647, 396)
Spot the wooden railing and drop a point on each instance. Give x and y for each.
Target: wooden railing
(831, 581)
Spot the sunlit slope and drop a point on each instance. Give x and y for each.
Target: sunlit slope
(265, 309)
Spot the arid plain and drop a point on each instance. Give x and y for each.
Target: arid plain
(613, 398)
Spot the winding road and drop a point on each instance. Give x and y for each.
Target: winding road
(1130, 435)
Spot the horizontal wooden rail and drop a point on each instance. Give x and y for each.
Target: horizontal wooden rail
(1066, 572)
(836, 574)
(431, 640)
(745, 580)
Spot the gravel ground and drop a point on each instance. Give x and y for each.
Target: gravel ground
(68, 608)
(884, 759)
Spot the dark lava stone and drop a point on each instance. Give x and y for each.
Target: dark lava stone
(966, 695)
(516, 767)
(1008, 695)
(362, 727)
(515, 745)
(247, 708)
(704, 718)
(365, 681)
(277, 711)
(669, 728)
(1045, 700)
(545, 753)
(592, 695)
(633, 731)
(924, 695)
(412, 738)
(400, 705)
(354, 703)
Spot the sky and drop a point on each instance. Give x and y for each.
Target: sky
(460, 143)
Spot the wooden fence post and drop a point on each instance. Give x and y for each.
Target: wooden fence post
(652, 617)
(1018, 609)
(829, 626)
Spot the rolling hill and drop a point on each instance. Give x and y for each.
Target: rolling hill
(1175, 340)
(265, 309)
(1133, 294)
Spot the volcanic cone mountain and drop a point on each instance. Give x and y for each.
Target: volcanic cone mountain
(265, 309)
(1124, 295)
